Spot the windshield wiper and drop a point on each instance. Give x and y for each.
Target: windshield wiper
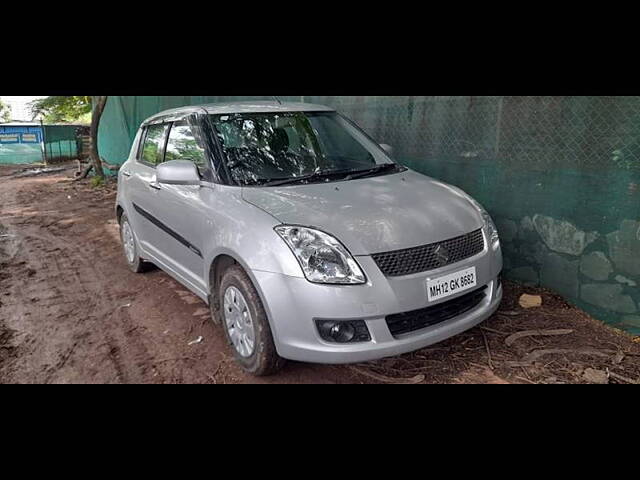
(317, 175)
(371, 171)
(322, 174)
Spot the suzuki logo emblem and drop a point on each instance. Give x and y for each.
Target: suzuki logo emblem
(442, 255)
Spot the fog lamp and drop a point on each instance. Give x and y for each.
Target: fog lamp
(343, 332)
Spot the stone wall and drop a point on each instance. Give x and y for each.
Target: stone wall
(599, 272)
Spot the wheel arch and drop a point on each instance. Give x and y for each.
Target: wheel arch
(119, 212)
(218, 264)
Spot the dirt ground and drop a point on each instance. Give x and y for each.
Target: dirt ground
(71, 312)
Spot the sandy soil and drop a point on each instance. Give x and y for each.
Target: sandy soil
(71, 312)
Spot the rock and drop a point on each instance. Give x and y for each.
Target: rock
(592, 375)
(624, 247)
(592, 237)
(596, 266)
(526, 225)
(507, 229)
(525, 275)
(530, 301)
(560, 275)
(190, 299)
(527, 231)
(626, 281)
(631, 320)
(608, 296)
(561, 236)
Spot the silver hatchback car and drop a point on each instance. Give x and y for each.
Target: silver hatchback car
(305, 238)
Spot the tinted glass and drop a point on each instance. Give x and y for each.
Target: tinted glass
(266, 146)
(153, 144)
(183, 144)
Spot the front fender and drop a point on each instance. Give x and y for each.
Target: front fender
(247, 236)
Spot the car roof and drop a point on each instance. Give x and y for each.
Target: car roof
(236, 107)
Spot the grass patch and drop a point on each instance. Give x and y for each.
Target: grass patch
(97, 182)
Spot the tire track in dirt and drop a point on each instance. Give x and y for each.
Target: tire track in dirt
(82, 316)
(64, 293)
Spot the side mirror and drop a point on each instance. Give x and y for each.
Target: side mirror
(178, 172)
(387, 148)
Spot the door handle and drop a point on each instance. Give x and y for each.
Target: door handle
(154, 185)
(126, 174)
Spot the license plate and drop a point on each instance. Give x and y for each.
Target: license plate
(451, 284)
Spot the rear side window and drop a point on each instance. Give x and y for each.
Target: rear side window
(184, 145)
(154, 144)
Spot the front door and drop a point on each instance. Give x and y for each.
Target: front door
(184, 207)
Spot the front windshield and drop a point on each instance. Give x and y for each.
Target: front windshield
(260, 148)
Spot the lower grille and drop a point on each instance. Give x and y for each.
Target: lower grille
(403, 323)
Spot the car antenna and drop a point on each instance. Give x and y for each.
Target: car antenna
(276, 99)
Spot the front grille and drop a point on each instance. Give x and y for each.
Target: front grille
(429, 257)
(403, 323)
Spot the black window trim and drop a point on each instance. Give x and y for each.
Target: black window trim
(141, 140)
(221, 176)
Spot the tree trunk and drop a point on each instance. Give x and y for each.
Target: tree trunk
(97, 104)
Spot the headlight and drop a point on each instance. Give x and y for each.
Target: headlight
(494, 238)
(322, 257)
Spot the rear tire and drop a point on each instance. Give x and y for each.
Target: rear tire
(246, 325)
(130, 246)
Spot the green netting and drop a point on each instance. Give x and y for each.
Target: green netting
(57, 133)
(64, 149)
(60, 142)
(560, 175)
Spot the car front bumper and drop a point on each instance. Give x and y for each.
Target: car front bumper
(293, 305)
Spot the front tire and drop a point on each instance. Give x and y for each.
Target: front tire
(246, 325)
(130, 246)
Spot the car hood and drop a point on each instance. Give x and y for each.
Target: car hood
(374, 215)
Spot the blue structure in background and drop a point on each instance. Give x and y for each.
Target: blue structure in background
(25, 134)
(21, 143)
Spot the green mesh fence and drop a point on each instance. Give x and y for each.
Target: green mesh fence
(60, 142)
(560, 175)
